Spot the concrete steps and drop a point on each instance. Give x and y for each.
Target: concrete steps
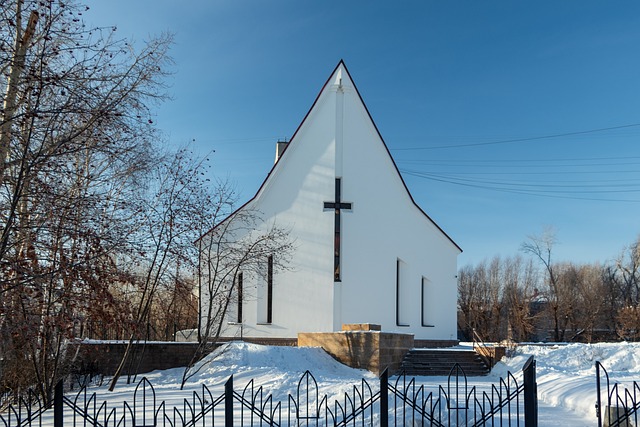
(431, 362)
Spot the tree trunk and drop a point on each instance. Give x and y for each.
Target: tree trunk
(123, 362)
(10, 104)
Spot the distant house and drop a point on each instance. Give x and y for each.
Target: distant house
(365, 252)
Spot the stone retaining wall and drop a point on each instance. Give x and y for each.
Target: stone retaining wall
(104, 357)
(364, 349)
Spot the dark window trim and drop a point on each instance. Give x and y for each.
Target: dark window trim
(398, 323)
(270, 289)
(240, 295)
(422, 307)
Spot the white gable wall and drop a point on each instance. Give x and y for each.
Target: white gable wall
(384, 226)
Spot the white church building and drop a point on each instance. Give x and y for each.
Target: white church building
(364, 251)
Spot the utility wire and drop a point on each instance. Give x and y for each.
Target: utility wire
(540, 185)
(523, 191)
(503, 165)
(566, 159)
(508, 141)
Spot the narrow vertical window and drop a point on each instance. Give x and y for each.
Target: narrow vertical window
(400, 294)
(425, 299)
(270, 289)
(240, 291)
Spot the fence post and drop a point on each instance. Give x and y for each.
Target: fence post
(384, 398)
(598, 397)
(58, 394)
(228, 402)
(530, 393)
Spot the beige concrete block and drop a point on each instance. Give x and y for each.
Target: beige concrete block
(361, 327)
(369, 350)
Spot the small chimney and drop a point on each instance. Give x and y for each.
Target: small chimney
(280, 147)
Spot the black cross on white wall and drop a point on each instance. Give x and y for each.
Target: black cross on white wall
(337, 207)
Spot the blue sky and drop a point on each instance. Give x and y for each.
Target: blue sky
(504, 117)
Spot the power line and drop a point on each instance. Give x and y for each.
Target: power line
(589, 185)
(508, 141)
(541, 190)
(568, 185)
(509, 165)
(492, 162)
(549, 173)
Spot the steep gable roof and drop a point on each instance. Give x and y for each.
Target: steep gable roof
(341, 68)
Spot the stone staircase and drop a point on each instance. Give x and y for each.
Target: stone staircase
(431, 362)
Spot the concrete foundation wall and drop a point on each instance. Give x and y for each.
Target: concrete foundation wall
(371, 350)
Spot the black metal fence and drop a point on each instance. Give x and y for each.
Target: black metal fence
(620, 405)
(399, 402)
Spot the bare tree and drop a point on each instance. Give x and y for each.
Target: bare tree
(611, 297)
(75, 134)
(567, 299)
(520, 282)
(176, 196)
(626, 277)
(471, 291)
(576, 302)
(176, 306)
(628, 273)
(495, 299)
(628, 323)
(481, 302)
(239, 243)
(541, 246)
(591, 300)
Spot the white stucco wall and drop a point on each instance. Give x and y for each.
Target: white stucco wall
(292, 198)
(384, 226)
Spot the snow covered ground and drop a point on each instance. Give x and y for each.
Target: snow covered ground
(565, 376)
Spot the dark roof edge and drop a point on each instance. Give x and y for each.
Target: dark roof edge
(391, 157)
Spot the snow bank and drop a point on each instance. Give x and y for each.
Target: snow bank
(566, 373)
(616, 357)
(278, 369)
(240, 357)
